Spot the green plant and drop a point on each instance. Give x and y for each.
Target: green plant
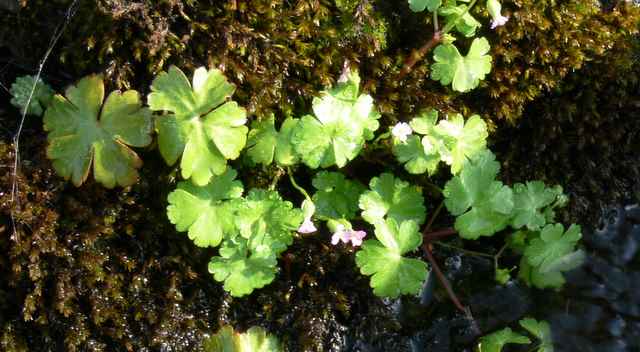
(464, 73)
(392, 274)
(82, 131)
(344, 120)
(201, 126)
(540, 330)
(31, 94)
(256, 339)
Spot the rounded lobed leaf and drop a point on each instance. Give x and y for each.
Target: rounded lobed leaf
(463, 72)
(199, 125)
(204, 211)
(80, 134)
(336, 197)
(393, 198)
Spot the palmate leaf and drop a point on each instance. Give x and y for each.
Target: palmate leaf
(420, 5)
(199, 126)
(420, 154)
(243, 269)
(204, 210)
(336, 197)
(21, 91)
(463, 72)
(265, 212)
(265, 144)
(547, 257)
(530, 201)
(343, 121)
(393, 198)
(413, 154)
(256, 339)
(458, 141)
(496, 341)
(483, 206)
(263, 228)
(83, 131)
(391, 273)
(552, 246)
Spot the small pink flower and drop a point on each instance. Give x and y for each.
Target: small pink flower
(307, 226)
(356, 237)
(499, 21)
(495, 10)
(346, 236)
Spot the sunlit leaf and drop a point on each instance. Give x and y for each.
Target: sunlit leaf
(200, 124)
(203, 210)
(483, 206)
(391, 273)
(343, 121)
(392, 198)
(463, 72)
(83, 131)
(496, 341)
(265, 144)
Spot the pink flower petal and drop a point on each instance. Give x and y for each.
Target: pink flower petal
(307, 226)
(335, 238)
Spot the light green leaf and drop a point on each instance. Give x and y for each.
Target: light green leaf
(265, 144)
(414, 157)
(391, 273)
(199, 125)
(552, 245)
(393, 198)
(425, 122)
(482, 205)
(264, 213)
(337, 197)
(256, 339)
(530, 201)
(420, 5)
(343, 121)
(82, 130)
(204, 210)
(458, 141)
(465, 72)
(496, 341)
(466, 24)
(263, 225)
(533, 277)
(244, 268)
(541, 330)
(21, 91)
(502, 275)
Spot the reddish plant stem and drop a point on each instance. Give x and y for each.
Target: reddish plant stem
(443, 280)
(436, 235)
(418, 55)
(433, 216)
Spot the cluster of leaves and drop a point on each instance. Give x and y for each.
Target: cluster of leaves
(252, 231)
(344, 119)
(451, 140)
(540, 330)
(484, 206)
(396, 209)
(256, 339)
(464, 73)
(201, 127)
